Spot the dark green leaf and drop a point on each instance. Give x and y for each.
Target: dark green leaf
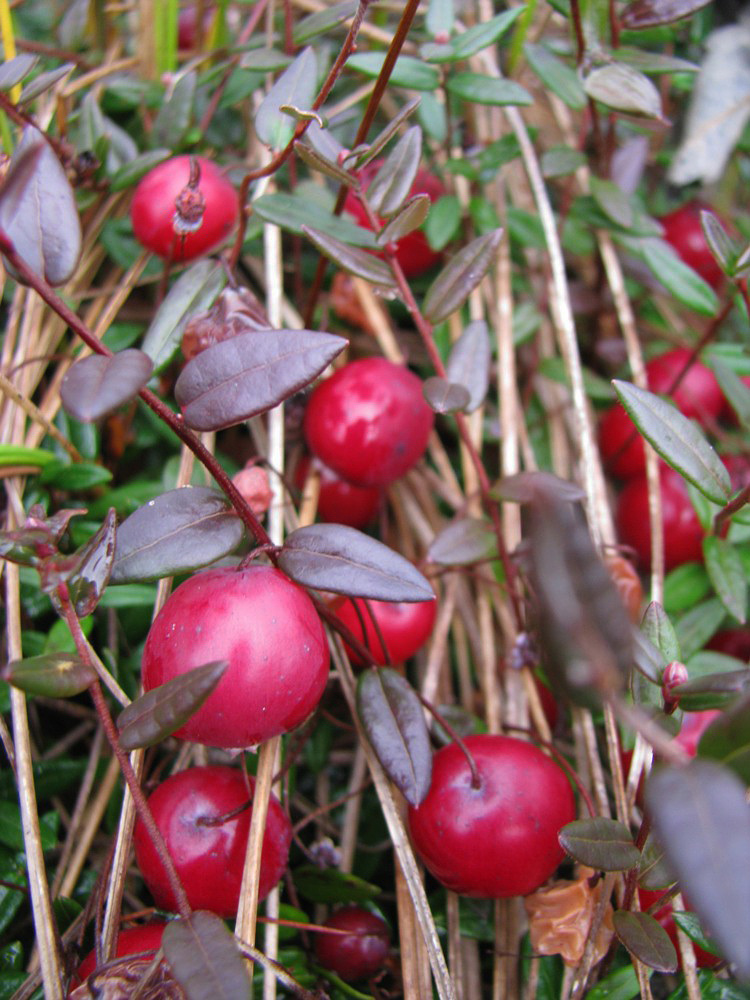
(679, 279)
(175, 114)
(294, 211)
(601, 843)
(727, 574)
(95, 386)
(659, 629)
(684, 587)
(727, 738)
(444, 396)
(466, 540)
(624, 89)
(327, 885)
(12, 872)
(473, 39)
(54, 675)
(79, 477)
(346, 561)
(646, 940)
(159, 712)
(355, 261)
(296, 87)
(131, 172)
(407, 72)
(204, 958)
(393, 719)
(694, 808)
(443, 221)
(561, 161)
(720, 245)
(460, 277)
(469, 362)
(736, 391)
(251, 373)
(495, 91)
(556, 75)
(696, 627)
(392, 183)
(622, 984)
(691, 925)
(679, 441)
(174, 533)
(11, 830)
(613, 201)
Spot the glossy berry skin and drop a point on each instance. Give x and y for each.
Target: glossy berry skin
(369, 422)
(359, 954)
(404, 627)
(209, 859)
(413, 252)
(698, 396)
(132, 941)
(683, 534)
(684, 233)
(340, 502)
(664, 916)
(153, 208)
(498, 840)
(267, 628)
(732, 641)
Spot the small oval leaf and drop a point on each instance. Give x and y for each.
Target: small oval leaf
(601, 843)
(677, 440)
(95, 386)
(93, 570)
(52, 675)
(392, 183)
(727, 574)
(409, 218)
(650, 13)
(393, 718)
(444, 396)
(351, 259)
(466, 540)
(624, 89)
(296, 86)
(179, 531)
(14, 70)
(251, 373)
(646, 939)
(469, 362)
(346, 561)
(204, 958)
(526, 487)
(159, 712)
(461, 276)
(657, 627)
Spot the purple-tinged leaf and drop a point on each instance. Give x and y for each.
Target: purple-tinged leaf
(52, 675)
(469, 362)
(204, 958)
(159, 712)
(460, 277)
(650, 13)
(613, 201)
(405, 221)
(713, 690)
(361, 155)
(601, 843)
(465, 541)
(14, 70)
(93, 570)
(654, 63)
(392, 183)
(621, 88)
(646, 939)
(95, 386)
(393, 718)
(296, 87)
(657, 627)
(192, 293)
(346, 561)
(444, 396)
(678, 440)
(647, 657)
(351, 259)
(700, 815)
(324, 142)
(38, 211)
(653, 870)
(176, 111)
(176, 532)
(44, 81)
(316, 161)
(628, 163)
(727, 738)
(719, 243)
(251, 373)
(526, 487)
(726, 571)
(556, 75)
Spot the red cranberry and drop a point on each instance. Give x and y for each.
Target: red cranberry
(361, 952)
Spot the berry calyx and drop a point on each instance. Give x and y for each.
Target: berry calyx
(359, 954)
(268, 630)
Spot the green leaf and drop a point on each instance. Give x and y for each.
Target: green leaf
(622, 984)
(443, 221)
(82, 476)
(622, 88)
(496, 91)
(175, 114)
(19, 455)
(472, 40)
(727, 574)
(556, 75)
(205, 959)
(613, 201)
(460, 277)
(295, 211)
(679, 441)
(54, 675)
(297, 87)
(407, 71)
(657, 627)
(601, 843)
(464, 541)
(326, 885)
(684, 587)
(679, 279)
(696, 627)
(321, 22)
(11, 831)
(736, 391)
(559, 161)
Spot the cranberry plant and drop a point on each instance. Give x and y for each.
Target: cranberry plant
(375, 393)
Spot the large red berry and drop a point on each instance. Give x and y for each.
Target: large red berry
(369, 421)
(146, 939)
(360, 953)
(683, 533)
(266, 627)
(405, 628)
(683, 231)
(698, 396)
(413, 252)
(499, 839)
(340, 502)
(209, 856)
(156, 221)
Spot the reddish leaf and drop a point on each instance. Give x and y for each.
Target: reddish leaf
(53, 675)
(650, 13)
(346, 561)
(460, 276)
(204, 958)
(392, 183)
(466, 540)
(158, 713)
(406, 220)
(89, 579)
(178, 531)
(469, 362)
(296, 88)
(14, 70)
(97, 385)
(251, 373)
(526, 487)
(351, 259)
(601, 843)
(393, 718)
(444, 396)
(646, 939)
(701, 817)
(38, 211)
